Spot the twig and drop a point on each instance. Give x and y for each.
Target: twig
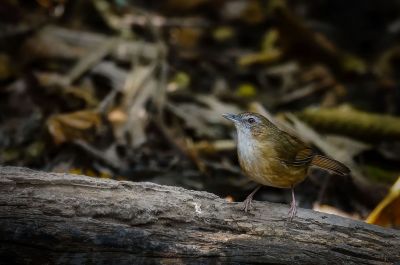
(88, 61)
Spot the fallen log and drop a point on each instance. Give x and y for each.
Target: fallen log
(48, 218)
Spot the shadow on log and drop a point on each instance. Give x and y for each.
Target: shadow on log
(48, 218)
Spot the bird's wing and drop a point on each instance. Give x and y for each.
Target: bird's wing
(292, 151)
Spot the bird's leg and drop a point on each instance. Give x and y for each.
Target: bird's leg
(293, 207)
(247, 202)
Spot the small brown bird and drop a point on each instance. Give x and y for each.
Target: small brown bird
(272, 157)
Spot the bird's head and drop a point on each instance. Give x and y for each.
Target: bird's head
(249, 123)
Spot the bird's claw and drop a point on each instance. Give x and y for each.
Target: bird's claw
(292, 211)
(247, 204)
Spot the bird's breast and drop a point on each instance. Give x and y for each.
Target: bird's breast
(261, 164)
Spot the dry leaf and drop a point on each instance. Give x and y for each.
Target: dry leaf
(140, 87)
(187, 38)
(203, 118)
(323, 208)
(117, 116)
(183, 5)
(207, 147)
(387, 213)
(70, 126)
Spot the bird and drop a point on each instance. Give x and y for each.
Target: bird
(276, 158)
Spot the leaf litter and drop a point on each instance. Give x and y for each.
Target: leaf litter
(137, 90)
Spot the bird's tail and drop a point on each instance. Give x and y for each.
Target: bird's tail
(330, 165)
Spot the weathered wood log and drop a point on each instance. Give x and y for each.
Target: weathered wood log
(48, 218)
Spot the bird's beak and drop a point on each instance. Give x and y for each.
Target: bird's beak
(231, 117)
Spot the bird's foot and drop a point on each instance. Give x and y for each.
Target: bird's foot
(292, 211)
(249, 199)
(247, 204)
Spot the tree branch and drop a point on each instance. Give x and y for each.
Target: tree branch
(61, 218)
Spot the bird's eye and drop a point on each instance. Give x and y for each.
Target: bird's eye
(251, 120)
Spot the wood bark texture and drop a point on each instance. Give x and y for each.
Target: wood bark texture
(48, 218)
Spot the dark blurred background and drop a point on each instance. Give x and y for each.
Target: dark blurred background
(134, 90)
